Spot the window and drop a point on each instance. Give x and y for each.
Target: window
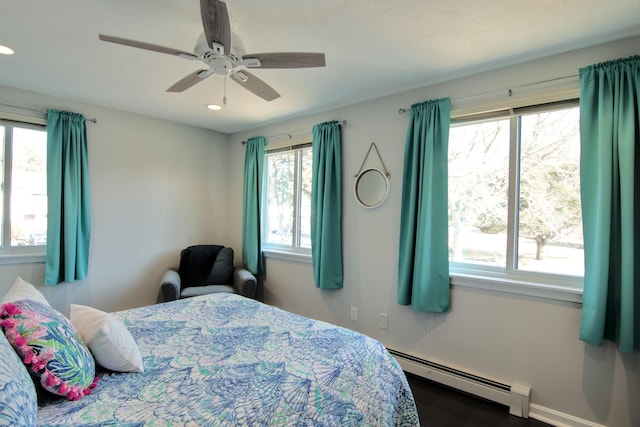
(287, 216)
(24, 188)
(514, 196)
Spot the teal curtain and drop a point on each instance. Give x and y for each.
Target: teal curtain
(326, 208)
(423, 268)
(251, 199)
(69, 210)
(610, 174)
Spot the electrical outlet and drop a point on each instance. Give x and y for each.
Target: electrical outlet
(384, 321)
(354, 313)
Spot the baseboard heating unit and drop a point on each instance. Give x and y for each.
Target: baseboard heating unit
(514, 396)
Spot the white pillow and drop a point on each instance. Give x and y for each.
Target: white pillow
(108, 338)
(24, 290)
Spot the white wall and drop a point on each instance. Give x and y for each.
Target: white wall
(156, 187)
(525, 340)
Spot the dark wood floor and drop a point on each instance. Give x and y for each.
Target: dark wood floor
(440, 406)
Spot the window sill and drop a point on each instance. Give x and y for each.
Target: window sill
(496, 284)
(8, 259)
(288, 256)
(554, 292)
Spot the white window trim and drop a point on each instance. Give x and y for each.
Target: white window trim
(287, 255)
(556, 287)
(553, 292)
(22, 115)
(276, 251)
(34, 258)
(28, 119)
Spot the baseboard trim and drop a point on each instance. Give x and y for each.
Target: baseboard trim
(557, 418)
(516, 397)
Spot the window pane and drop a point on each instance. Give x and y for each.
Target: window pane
(305, 198)
(280, 198)
(550, 216)
(478, 193)
(29, 187)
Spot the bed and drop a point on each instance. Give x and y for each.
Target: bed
(223, 359)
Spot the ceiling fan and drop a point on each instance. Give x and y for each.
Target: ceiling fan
(214, 48)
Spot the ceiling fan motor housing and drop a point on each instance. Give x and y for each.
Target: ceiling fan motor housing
(218, 62)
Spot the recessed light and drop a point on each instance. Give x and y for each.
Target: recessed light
(4, 50)
(214, 107)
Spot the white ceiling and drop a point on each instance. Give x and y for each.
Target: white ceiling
(373, 48)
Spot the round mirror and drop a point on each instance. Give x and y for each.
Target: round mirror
(371, 187)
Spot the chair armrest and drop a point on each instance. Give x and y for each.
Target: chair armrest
(170, 285)
(244, 282)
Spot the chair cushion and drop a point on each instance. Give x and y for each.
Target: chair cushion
(195, 291)
(222, 271)
(18, 399)
(196, 263)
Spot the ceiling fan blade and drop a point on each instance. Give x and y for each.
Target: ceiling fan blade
(254, 85)
(287, 59)
(215, 21)
(147, 46)
(190, 80)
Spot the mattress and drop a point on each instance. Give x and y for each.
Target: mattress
(223, 359)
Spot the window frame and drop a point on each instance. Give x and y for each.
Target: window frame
(15, 254)
(293, 252)
(510, 279)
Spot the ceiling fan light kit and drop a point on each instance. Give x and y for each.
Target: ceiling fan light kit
(5, 50)
(214, 48)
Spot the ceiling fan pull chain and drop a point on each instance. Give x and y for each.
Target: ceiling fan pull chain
(224, 95)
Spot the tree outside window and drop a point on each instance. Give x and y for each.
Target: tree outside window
(531, 163)
(287, 217)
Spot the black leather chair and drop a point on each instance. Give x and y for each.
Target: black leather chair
(206, 269)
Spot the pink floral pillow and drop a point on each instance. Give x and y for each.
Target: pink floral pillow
(50, 348)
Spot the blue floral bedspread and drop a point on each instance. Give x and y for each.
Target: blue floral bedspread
(222, 359)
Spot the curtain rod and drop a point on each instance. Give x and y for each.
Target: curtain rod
(40, 114)
(508, 91)
(290, 135)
